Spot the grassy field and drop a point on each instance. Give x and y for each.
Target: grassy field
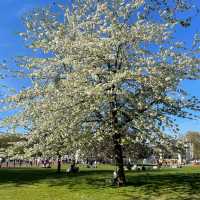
(94, 184)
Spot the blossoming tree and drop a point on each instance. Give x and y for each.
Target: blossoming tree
(111, 71)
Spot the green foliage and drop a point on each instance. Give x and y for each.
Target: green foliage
(194, 138)
(12, 144)
(9, 139)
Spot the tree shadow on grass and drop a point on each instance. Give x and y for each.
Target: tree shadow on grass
(22, 176)
(177, 186)
(143, 186)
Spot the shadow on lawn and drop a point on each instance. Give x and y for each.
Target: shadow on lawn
(21, 176)
(180, 186)
(183, 185)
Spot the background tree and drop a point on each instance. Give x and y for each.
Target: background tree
(194, 138)
(8, 141)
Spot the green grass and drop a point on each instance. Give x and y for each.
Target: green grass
(94, 184)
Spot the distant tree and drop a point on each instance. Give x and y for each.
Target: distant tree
(8, 141)
(194, 138)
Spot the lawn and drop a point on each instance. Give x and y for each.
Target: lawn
(94, 184)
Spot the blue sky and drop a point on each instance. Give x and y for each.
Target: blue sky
(11, 45)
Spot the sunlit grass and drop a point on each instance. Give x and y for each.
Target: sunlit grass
(95, 184)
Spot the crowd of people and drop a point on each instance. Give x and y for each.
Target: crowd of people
(44, 163)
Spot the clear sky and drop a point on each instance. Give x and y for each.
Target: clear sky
(11, 45)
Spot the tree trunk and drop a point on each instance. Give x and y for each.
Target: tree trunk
(118, 151)
(59, 164)
(121, 180)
